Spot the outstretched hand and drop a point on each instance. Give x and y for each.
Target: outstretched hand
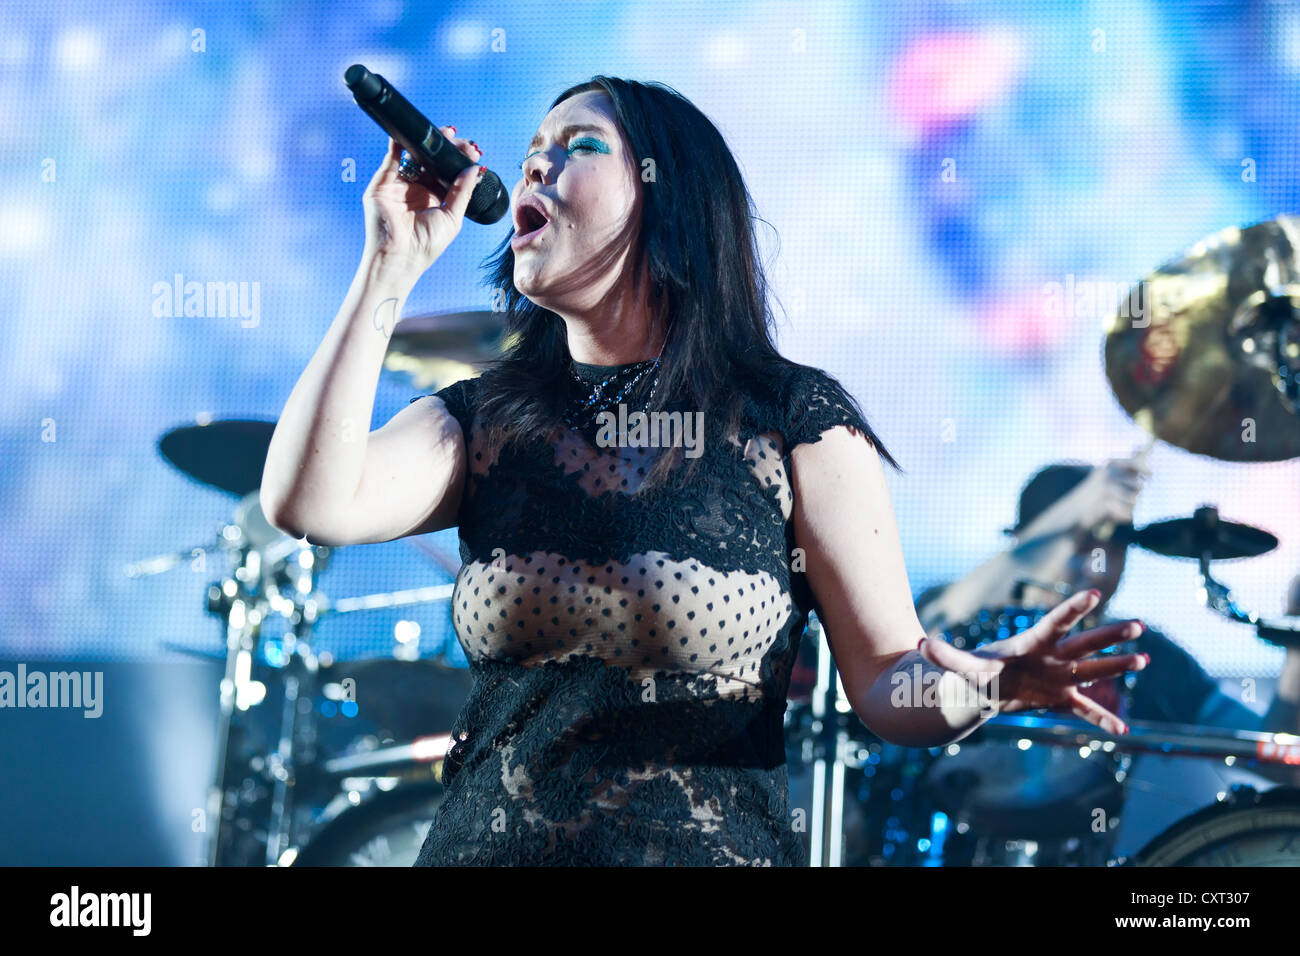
(1041, 668)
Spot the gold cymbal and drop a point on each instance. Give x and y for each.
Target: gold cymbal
(1205, 354)
(438, 349)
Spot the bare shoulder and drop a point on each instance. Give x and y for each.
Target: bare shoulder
(844, 456)
(845, 524)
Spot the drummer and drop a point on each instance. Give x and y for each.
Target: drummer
(1066, 540)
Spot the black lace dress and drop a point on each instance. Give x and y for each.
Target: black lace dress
(630, 658)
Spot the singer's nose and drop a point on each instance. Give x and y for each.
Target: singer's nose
(533, 170)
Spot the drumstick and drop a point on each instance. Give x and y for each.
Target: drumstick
(1140, 456)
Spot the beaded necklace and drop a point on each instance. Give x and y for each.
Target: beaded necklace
(583, 410)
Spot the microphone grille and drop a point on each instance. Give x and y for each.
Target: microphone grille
(363, 84)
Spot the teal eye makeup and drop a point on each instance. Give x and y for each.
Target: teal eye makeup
(587, 142)
(582, 142)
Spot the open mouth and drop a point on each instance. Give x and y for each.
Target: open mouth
(533, 219)
(532, 222)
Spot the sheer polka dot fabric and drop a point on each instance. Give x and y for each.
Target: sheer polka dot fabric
(630, 653)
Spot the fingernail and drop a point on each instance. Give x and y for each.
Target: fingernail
(920, 643)
(481, 171)
(1146, 659)
(1094, 593)
(452, 128)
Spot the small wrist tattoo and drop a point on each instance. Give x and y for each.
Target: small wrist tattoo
(385, 317)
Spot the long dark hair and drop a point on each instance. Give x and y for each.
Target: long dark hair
(697, 241)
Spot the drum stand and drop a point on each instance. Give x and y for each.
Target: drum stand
(263, 583)
(832, 748)
(237, 601)
(297, 743)
(278, 580)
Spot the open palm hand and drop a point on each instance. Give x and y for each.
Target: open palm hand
(1044, 669)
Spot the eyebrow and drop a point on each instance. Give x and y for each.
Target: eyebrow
(566, 131)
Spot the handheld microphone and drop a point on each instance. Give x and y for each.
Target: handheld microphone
(433, 161)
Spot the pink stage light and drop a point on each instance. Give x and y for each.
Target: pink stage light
(945, 78)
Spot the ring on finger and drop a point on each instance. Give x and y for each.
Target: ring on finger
(408, 170)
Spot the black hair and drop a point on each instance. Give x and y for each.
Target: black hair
(698, 244)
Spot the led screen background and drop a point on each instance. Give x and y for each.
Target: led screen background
(924, 172)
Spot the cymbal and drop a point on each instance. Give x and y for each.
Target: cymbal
(1205, 354)
(439, 349)
(228, 455)
(1204, 531)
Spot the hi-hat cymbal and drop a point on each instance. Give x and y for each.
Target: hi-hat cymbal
(436, 350)
(229, 455)
(1206, 355)
(1204, 531)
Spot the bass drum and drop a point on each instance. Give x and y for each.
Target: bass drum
(1248, 829)
(387, 829)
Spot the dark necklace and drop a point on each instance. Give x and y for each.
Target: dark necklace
(614, 388)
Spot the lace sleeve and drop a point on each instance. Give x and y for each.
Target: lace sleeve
(457, 397)
(815, 403)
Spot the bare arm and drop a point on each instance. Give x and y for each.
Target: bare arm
(992, 583)
(329, 479)
(844, 522)
(1044, 549)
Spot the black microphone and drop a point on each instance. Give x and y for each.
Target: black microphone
(433, 160)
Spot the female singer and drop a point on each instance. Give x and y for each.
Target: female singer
(631, 605)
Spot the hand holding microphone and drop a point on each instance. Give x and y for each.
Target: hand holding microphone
(415, 206)
(434, 162)
(409, 225)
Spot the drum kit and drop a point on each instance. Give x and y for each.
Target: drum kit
(325, 762)
(1022, 790)
(320, 762)
(1204, 355)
